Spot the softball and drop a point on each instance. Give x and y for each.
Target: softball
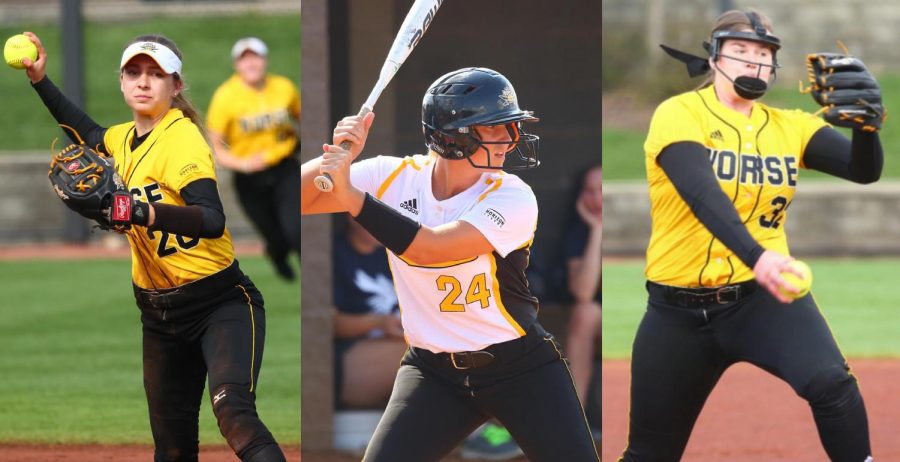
(801, 283)
(18, 47)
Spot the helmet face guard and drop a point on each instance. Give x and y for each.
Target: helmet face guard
(460, 101)
(745, 86)
(465, 143)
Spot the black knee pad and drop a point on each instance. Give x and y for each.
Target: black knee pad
(832, 391)
(235, 410)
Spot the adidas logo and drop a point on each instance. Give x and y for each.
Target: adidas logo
(717, 135)
(410, 206)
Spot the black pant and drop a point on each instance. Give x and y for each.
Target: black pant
(220, 336)
(528, 388)
(680, 353)
(271, 199)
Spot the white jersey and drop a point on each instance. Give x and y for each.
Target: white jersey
(469, 304)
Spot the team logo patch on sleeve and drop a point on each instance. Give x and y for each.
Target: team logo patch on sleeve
(495, 216)
(188, 169)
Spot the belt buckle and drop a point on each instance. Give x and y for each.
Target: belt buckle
(457, 366)
(727, 290)
(161, 300)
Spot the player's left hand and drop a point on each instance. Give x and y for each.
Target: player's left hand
(87, 183)
(768, 271)
(354, 129)
(846, 90)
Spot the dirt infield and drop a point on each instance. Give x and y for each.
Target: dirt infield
(334, 456)
(753, 416)
(87, 453)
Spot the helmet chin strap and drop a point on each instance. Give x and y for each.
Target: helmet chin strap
(747, 87)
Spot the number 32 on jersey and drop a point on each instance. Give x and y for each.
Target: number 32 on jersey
(476, 292)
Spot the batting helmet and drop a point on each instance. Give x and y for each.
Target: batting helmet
(475, 96)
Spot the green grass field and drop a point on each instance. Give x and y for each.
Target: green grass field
(70, 355)
(204, 42)
(623, 150)
(856, 295)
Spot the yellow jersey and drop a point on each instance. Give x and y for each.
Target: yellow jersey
(173, 155)
(252, 121)
(756, 159)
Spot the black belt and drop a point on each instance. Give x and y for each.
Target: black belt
(463, 360)
(460, 360)
(169, 298)
(696, 297)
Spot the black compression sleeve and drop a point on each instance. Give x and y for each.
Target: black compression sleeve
(203, 215)
(389, 226)
(687, 166)
(831, 152)
(67, 113)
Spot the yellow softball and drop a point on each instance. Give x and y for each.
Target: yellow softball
(18, 47)
(802, 283)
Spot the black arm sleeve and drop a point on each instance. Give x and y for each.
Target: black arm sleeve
(687, 166)
(203, 215)
(67, 113)
(831, 152)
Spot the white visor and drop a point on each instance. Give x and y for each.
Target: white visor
(166, 58)
(250, 43)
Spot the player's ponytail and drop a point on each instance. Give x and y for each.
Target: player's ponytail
(180, 101)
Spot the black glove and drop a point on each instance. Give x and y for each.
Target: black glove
(848, 93)
(87, 183)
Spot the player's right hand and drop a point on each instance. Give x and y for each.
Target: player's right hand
(354, 129)
(768, 271)
(35, 69)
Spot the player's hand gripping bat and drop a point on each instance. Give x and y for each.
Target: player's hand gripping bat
(414, 26)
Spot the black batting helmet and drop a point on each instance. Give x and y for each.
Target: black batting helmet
(475, 96)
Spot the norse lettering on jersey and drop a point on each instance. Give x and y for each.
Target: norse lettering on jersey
(265, 121)
(754, 169)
